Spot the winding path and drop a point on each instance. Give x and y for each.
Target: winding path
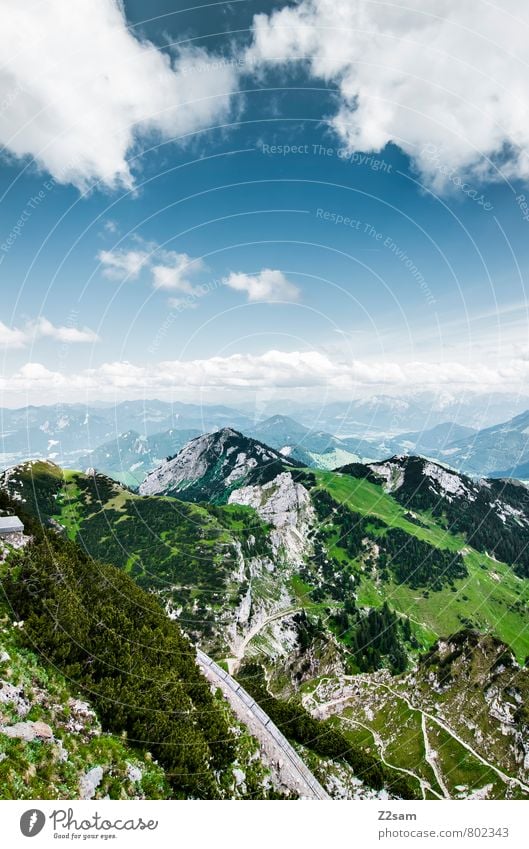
(235, 661)
(381, 747)
(508, 779)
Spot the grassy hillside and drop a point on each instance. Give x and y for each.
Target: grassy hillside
(490, 597)
(184, 552)
(114, 645)
(380, 581)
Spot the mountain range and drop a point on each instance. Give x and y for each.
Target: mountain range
(372, 594)
(130, 439)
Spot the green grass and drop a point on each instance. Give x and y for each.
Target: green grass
(459, 767)
(369, 499)
(485, 597)
(399, 729)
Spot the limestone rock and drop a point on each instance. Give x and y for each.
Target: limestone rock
(89, 782)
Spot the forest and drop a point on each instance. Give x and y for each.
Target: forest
(115, 643)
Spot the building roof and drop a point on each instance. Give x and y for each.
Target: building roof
(10, 525)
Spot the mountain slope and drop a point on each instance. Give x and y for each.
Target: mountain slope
(114, 644)
(352, 575)
(302, 444)
(211, 466)
(51, 742)
(432, 441)
(496, 451)
(458, 722)
(75, 609)
(492, 514)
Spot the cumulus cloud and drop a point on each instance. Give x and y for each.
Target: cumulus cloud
(168, 270)
(293, 370)
(14, 337)
(267, 285)
(174, 272)
(80, 88)
(446, 81)
(122, 264)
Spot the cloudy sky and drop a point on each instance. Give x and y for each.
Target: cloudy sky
(329, 196)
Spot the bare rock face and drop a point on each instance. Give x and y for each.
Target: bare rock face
(82, 717)
(28, 731)
(287, 507)
(267, 608)
(42, 731)
(10, 694)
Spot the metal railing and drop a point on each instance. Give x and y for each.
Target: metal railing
(272, 729)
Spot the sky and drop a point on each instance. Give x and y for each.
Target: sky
(229, 200)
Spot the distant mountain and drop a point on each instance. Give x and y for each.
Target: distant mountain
(127, 440)
(130, 456)
(309, 446)
(149, 417)
(52, 431)
(389, 415)
(497, 451)
(210, 467)
(65, 432)
(519, 472)
(432, 441)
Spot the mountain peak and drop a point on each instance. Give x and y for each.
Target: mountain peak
(211, 466)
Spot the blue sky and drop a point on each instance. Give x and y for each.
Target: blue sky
(200, 217)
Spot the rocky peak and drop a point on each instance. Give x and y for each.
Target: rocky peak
(408, 471)
(210, 466)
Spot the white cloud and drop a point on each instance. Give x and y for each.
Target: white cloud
(33, 374)
(169, 270)
(81, 88)
(11, 337)
(122, 264)
(14, 337)
(417, 73)
(303, 371)
(267, 285)
(174, 272)
(43, 327)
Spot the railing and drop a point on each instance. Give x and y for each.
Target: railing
(272, 729)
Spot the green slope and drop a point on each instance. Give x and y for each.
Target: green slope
(491, 597)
